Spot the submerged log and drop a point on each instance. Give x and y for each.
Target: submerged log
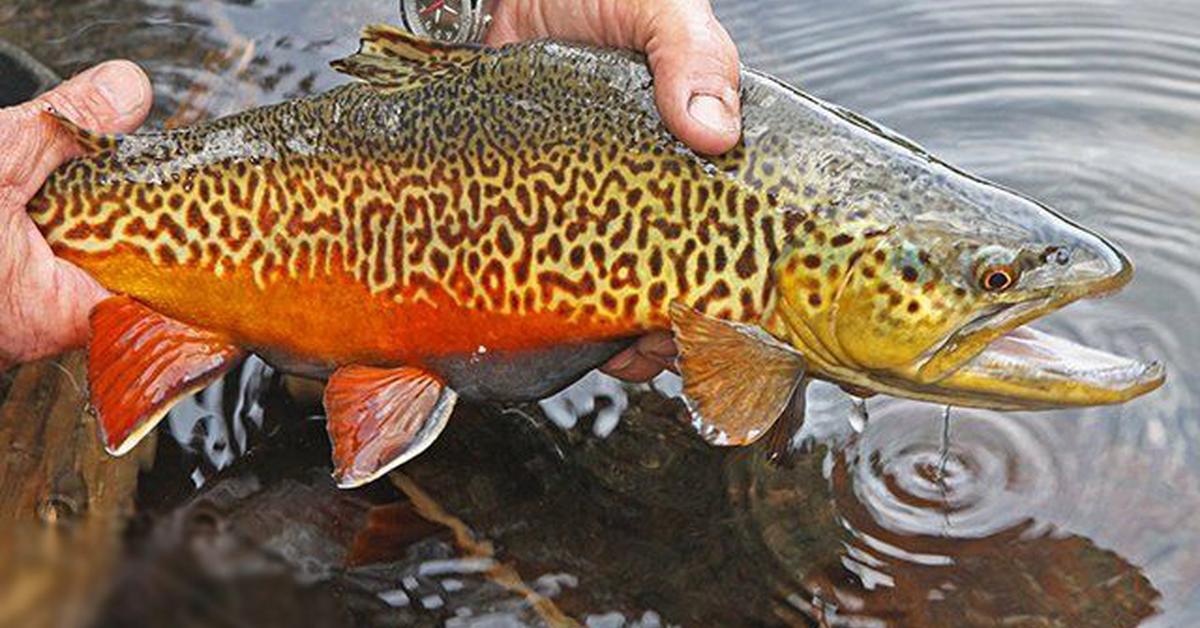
(64, 502)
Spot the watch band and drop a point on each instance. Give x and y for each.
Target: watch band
(481, 18)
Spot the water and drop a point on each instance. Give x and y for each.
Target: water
(1087, 517)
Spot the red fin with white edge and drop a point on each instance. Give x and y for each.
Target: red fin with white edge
(141, 362)
(381, 418)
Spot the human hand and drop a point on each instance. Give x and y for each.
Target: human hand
(695, 68)
(692, 58)
(45, 301)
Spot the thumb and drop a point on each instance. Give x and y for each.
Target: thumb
(696, 73)
(113, 97)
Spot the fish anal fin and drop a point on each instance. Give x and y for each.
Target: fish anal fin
(141, 362)
(391, 58)
(90, 141)
(381, 418)
(737, 380)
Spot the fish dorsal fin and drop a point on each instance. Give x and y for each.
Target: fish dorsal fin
(737, 379)
(141, 362)
(90, 141)
(381, 418)
(391, 58)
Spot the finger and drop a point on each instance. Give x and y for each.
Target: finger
(55, 296)
(649, 356)
(692, 57)
(659, 345)
(620, 361)
(632, 366)
(696, 73)
(602, 22)
(113, 97)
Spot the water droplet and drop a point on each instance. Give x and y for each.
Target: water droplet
(858, 414)
(941, 473)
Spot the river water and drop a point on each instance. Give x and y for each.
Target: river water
(907, 514)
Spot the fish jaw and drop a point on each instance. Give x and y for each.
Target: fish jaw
(1030, 369)
(998, 362)
(992, 360)
(1097, 268)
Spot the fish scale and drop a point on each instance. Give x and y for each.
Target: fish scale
(496, 222)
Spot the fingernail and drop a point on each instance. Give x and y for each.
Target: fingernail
(120, 82)
(711, 112)
(621, 360)
(663, 347)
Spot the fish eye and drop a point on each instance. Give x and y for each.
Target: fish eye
(997, 278)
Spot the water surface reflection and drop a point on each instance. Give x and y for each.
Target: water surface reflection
(1081, 518)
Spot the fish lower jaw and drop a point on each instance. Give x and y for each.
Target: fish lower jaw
(1045, 369)
(1024, 369)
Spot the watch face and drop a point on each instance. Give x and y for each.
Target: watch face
(445, 20)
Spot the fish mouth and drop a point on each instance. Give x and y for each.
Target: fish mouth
(998, 361)
(1030, 369)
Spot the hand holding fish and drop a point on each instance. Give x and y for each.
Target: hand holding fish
(44, 301)
(493, 223)
(695, 67)
(45, 304)
(692, 57)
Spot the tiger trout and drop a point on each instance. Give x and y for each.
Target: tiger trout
(493, 223)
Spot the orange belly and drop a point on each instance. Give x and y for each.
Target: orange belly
(332, 320)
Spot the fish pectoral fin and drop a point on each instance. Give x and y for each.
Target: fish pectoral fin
(737, 379)
(381, 418)
(391, 58)
(90, 141)
(141, 362)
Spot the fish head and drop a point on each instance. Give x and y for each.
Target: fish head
(932, 299)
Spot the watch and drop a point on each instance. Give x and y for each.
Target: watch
(452, 21)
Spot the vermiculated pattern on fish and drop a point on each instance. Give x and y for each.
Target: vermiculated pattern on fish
(497, 222)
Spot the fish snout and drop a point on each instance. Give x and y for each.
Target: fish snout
(1097, 266)
(1075, 261)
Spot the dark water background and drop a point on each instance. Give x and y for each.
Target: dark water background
(1079, 518)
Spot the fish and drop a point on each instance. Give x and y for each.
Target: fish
(493, 223)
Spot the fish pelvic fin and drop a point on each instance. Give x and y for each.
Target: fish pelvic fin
(737, 379)
(140, 363)
(391, 58)
(381, 418)
(90, 141)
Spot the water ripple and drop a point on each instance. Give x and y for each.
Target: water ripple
(987, 478)
(1091, 107)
